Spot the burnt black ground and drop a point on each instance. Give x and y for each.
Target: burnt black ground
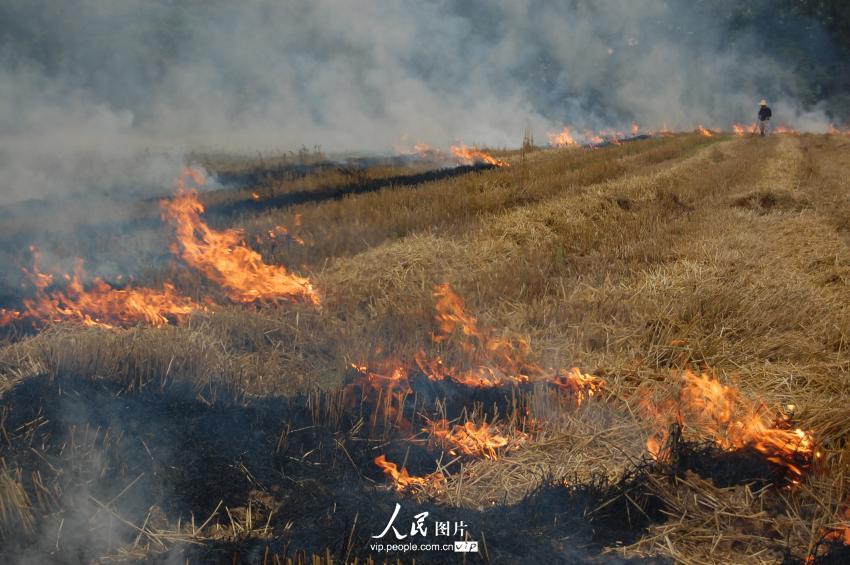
(175, 450)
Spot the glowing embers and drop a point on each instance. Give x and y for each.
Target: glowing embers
(706, 408)
(223, 257)
(839, 533)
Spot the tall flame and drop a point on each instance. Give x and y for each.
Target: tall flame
(562, 139)
(222, 256)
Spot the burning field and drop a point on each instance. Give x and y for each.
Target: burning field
(594, 352)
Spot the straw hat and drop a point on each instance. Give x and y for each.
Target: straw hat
(763, 102)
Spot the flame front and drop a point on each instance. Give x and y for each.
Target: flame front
(709, 408)
(101, 304)
(223, 257)
(404, 480)
(471, 156)
(490, 360)
(487, 361)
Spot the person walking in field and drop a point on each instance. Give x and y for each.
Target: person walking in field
(764, 116)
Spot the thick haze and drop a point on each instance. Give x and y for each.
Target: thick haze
(97, 94)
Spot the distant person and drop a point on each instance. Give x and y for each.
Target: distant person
(764, 116)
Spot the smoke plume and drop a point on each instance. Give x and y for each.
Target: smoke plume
(96, 94)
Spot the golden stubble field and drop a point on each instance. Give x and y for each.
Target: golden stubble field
(248, 432)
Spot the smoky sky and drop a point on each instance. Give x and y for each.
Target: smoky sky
(97, 94)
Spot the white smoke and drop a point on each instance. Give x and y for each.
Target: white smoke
(102, 94)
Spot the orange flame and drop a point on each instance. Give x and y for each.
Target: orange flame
(283, 232)
(742, 129)
(100, 305)
(425, 151)
(8, 316)
(471, 155)
(562, 139)
(703, 131)
(223, 256)
(404, 480)
(578, 384)
(834, 130)
(470, 439)
(420, 149)
(492, 361)
(384, 390)
(721, 412)
(784, 129)
(635, 128)
(592, 138)
(487, 362)
(841, 532)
